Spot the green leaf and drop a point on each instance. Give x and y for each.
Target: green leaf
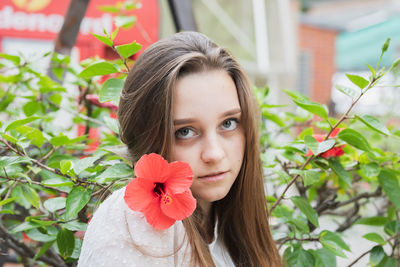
(6, 101)
(131, 5)
(355, 139)
(31, 108)
(114, 33)
(300, 224)
(56, 98)
(20, 198)
(374, 237)
(391, 228)
(388, 262)
(65, 166)
(304, 259)
(327, 235)
(282, 211)
(376, 255)
(65, 242)
(75, 226)
(373, 221)
(373, 123)
(41, 222)
(31, 195)
(324, 258)
(340, 171)
(128, 50)
(77, 250)
(272, 117)
(24, 227)
(295, 94)
(124, 21)
(119, 170)
(83, 164)
(7, 161)
(348, 91)
(59, 140)
(43, 249)
(76, 201)
(390, 185)
(111, 90)
(305, 207)
(18, 123)
(358, 80)
(313, 107)
(316, 147)
(113, 124)
(325, 146)
(14, 59)
(109, 9)
(373, 71)
(6, 201)
(34, 135)
(333, 248)
(54, 204)
(310, 177)
(98, 68)
(105, 40)
(298, 258)
(395, 64)
(312, 144)
(371, 169)
(35, 234)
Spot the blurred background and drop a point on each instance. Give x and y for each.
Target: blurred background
(302, 45)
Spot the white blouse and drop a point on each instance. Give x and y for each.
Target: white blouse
(119, 237)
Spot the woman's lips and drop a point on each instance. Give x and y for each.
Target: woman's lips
(214, 177)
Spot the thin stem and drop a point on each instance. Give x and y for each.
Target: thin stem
(121, 57)
(368, 251)
(29, 182)
(344, 116)
(290, 184)
(43, 166)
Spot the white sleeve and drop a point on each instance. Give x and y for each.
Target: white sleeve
(118, 236)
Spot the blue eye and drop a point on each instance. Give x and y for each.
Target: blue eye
(230, 124)
(184, 133)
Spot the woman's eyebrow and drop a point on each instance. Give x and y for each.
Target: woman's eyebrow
(184, 121)
(231, 112)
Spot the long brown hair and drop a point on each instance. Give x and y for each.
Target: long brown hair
(145, 115)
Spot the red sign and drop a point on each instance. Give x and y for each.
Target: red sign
(43, 19)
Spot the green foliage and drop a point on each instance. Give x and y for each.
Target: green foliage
(338, 172)
(52, 179)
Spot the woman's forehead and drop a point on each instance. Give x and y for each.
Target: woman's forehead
(204, 93)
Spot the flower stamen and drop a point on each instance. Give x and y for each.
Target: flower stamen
(167, 199)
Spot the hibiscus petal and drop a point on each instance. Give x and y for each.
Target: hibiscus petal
(152, 167)
(335, 132)
(180, 177)
(319, 137)
(181, 206)
(138, 194)
(155, 217)
(333, 152)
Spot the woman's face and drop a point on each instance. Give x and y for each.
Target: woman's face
(208, 132)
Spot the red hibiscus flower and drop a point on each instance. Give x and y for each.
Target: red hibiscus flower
(334, 151)
(161, 191)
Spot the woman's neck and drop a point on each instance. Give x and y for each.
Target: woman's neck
(205, 208)
(207, 219)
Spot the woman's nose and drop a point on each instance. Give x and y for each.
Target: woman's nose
(212, 150)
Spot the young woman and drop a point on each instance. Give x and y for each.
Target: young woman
(188, 100)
